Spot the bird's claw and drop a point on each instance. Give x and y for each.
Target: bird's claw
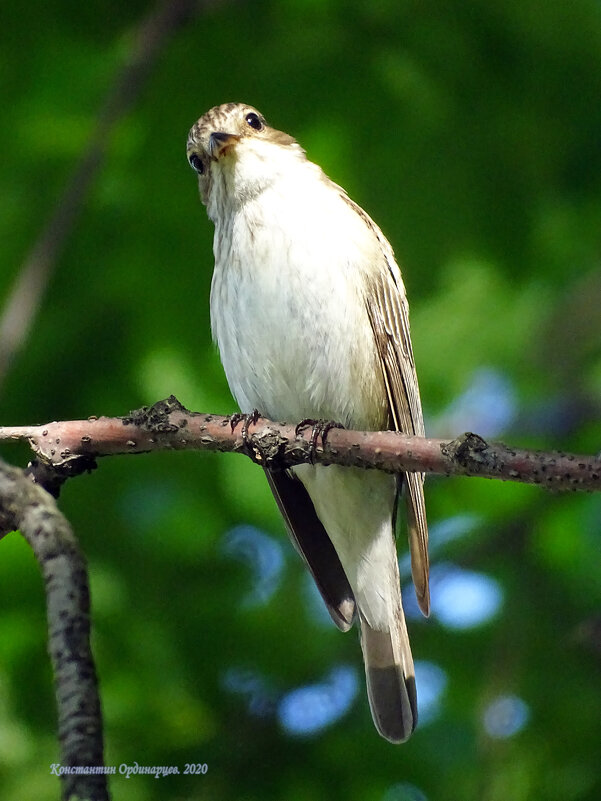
(246, 420)
(319, 428)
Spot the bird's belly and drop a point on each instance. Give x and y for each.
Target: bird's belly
(294, 337)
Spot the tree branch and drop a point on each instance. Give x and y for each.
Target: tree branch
(31, 509)
(72, 447)
(149, 39)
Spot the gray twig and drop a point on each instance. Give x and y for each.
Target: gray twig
(29, 508)
(24, 300)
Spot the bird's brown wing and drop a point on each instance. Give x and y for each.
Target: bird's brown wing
(312, 541)
(389, 316)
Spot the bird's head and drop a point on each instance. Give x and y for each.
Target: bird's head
(237, 155)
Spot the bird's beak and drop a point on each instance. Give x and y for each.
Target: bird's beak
(220, 142)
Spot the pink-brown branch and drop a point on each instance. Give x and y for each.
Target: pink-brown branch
(169, 426)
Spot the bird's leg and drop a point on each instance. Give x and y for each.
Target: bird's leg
(319, 428)
(246, 420)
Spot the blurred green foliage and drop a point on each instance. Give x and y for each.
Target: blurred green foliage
(471, 131)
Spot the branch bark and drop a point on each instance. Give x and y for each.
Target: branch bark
(31, 509)
(71, 447)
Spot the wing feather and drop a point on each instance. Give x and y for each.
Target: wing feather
(311, 540)
(388, 312)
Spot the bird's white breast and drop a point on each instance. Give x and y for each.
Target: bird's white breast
(288, 308)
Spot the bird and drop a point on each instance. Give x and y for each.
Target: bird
(310, 316)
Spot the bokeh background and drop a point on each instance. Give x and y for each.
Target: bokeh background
(471, 131)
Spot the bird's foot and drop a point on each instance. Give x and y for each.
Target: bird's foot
(319, 428)
(246, 420)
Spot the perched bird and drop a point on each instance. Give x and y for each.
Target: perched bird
(309, 312)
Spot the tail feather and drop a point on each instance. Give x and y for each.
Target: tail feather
(390, 679)
(356, 509)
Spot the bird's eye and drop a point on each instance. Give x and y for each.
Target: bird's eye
(196, 163)
(254, 121)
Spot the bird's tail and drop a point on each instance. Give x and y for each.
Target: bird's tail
(390, 677)
(355, 507)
